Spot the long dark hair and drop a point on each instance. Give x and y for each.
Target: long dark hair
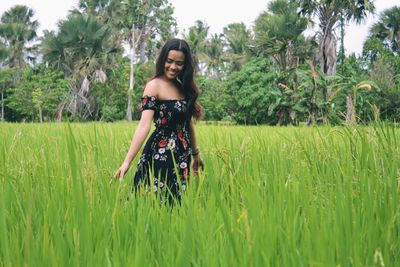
(185, 80)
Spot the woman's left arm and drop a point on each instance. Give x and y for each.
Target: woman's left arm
(197, 160)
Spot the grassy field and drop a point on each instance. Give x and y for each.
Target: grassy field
(268, 197)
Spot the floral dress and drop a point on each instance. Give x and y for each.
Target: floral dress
(166, 154)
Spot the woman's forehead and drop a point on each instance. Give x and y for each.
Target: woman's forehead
(176, 55)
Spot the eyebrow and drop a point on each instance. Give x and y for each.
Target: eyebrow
(177, 61)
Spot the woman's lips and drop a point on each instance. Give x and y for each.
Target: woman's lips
(173, 73)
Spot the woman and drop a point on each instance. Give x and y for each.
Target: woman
(169, 99)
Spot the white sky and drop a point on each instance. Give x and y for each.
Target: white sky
(216, 13)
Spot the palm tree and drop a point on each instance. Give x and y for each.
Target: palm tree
(102, 9)
(84, 49)
(329, 13)
(107, 11)
(237, 38)
(214, 53)
(387, 29)
(278, 32)
(17, 30)
(197, 40)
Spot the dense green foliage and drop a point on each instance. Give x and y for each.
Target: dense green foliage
(268, 197)
(252, 92)
(38, 94)
(213, 99)
(271, 73)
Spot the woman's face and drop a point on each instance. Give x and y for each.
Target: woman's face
(174, 64)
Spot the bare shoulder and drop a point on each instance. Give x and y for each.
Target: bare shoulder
(152, 87)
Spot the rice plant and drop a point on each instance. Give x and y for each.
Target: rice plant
(326, 196)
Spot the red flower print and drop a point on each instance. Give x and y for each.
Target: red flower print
(184, 143)
(182, 139)
(180, 135)
(162, 143)
(145, 99)
(164, 120)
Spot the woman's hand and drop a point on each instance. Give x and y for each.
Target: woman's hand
(121, 172)
(197, 163)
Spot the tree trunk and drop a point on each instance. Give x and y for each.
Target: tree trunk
(131, 76)
(282, 118)
(2, 106)
(350, 111)
(327, 46)
(312, 118)
(341, 55)
(325, 116)
(328, 53)
(143, 44)
(60, 110)
(129, 109)
(40, 115)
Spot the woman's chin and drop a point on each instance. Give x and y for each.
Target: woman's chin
(170, 76)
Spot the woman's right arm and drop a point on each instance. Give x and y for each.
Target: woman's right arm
(139, 136)
(137, 141)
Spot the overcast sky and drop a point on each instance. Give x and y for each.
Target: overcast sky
(216, 13)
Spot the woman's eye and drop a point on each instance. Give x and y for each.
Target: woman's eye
(178, 63)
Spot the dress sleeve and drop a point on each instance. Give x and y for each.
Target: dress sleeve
(149, 102)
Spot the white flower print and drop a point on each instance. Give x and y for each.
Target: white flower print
(169, 119)
(142, 158)
(171, 144)
(178, 105)
(183, 165)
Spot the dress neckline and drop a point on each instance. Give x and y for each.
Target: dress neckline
(164, 100)
(171, 100)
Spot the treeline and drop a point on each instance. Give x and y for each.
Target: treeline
(95, 65)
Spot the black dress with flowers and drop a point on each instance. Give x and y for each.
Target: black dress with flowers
(166, 154)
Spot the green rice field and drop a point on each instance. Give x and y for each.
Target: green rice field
(269, 196)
